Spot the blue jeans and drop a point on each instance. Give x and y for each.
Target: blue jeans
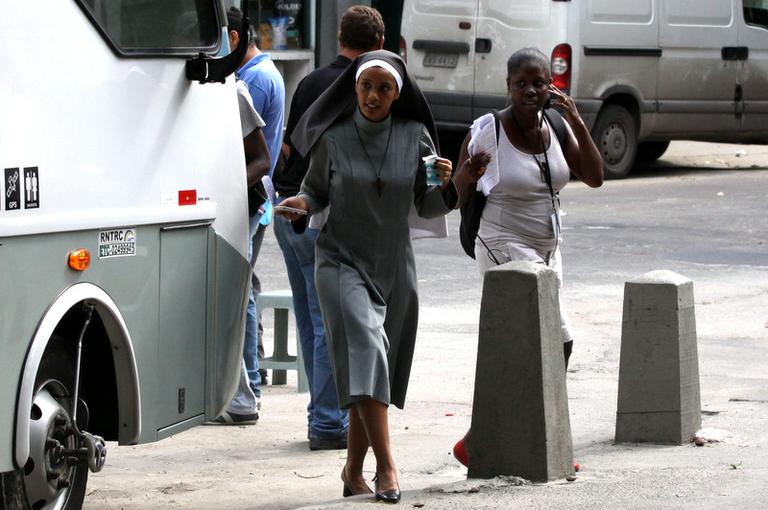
(251, 344)
(244, 401)
(326, 420)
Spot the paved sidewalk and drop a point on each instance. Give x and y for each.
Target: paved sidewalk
(707, 226)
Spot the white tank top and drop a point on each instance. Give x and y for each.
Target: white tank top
(519, 207)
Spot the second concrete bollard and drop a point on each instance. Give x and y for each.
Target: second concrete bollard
(659, 399)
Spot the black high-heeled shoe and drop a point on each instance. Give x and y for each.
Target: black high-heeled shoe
(389, 496)
(347, 492)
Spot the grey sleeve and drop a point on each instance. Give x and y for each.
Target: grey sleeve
(316, 184)
(431, 201)
(249, 117)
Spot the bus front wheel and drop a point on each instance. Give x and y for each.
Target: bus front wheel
(56, 471)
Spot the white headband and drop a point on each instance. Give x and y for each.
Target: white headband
(384, 65)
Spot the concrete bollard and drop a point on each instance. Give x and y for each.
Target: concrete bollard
(659, 399)
(520, 421)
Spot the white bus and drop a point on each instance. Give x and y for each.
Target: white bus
(123, 233)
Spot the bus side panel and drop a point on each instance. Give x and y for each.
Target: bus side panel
(169, 346)
(181, 346)
(202, 326)
(231, 277)
(34, 271)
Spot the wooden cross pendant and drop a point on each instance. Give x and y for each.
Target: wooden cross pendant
(379, 185)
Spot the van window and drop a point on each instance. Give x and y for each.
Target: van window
(610, 11)
(526, 14)
(756, 13)
(149, 27)
(445, 7)
(708, 13)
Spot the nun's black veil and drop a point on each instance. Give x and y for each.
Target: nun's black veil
(339, 100)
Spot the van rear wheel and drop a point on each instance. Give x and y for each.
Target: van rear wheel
(615, 134)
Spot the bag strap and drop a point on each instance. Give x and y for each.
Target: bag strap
(553, 117)
(558, 126)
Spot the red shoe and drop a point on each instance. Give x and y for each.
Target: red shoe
(460, 452)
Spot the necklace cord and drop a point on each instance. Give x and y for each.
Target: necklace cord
(543, 167)
(386, 148)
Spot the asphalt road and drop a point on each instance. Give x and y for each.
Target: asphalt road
(698, 212)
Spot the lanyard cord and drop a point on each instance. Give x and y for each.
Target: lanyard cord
(543, 167)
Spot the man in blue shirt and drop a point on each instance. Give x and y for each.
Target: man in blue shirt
(264, 82)
(266, 87)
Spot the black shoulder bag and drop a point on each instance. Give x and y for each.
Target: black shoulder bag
(472, 210)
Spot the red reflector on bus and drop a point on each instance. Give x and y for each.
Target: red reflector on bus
(187, 197)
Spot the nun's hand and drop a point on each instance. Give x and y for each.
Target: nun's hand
(443, 169)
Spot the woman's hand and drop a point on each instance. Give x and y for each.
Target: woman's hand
(443, 169)
(583, 157)
(297, 203)
(470, 169)
(475, 165)
(564, 102)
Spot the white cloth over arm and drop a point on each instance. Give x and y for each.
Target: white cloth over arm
(483, 139)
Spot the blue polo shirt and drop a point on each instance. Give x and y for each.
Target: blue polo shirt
(267, 90)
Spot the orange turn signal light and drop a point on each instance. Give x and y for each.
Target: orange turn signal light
(79, 259)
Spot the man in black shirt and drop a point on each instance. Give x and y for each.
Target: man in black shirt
(361, 30)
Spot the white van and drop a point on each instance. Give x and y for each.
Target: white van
(642, 72)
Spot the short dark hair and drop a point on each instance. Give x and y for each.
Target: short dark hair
(528, 56)
(361, 28)
(235, 21)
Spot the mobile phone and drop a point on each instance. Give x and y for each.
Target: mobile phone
(286, 209)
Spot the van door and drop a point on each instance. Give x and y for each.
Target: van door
(698, 68)
(439, 37)
(503, 27)
(753, 78)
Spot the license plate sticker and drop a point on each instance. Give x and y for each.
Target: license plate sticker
(117, 243)
(448, 60)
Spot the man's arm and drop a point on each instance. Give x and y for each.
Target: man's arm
(257, 160)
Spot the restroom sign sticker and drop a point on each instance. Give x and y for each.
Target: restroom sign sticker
(31, 188)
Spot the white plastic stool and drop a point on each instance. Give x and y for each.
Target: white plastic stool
(280, 361)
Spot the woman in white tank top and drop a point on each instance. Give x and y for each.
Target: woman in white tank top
(523, 175)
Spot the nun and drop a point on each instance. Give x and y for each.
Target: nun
(367, 136)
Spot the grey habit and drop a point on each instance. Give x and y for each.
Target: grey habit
(365, 270)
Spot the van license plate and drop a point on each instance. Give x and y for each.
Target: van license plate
(448, 60)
